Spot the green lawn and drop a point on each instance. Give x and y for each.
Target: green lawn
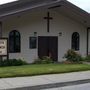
(30, 70)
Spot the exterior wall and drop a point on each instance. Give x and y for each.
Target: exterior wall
(29, 23)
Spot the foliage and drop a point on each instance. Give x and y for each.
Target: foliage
(12, 62)
(87, 58)
(43, 60)
(73, 56)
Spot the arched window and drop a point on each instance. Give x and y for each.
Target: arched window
(75, 41)
(14, 41)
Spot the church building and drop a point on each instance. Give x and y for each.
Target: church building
(37, 28)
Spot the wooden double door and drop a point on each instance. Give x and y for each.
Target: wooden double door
(48, 46)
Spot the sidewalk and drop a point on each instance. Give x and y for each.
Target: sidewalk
(44, 81)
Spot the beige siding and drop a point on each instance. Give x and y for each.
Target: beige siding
(33, 22)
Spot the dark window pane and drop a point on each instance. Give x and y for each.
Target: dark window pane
(14, 41)
(17, 48)
(33, 42)
(11, 44)
(75, 41)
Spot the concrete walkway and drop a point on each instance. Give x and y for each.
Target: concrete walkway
(45, 81)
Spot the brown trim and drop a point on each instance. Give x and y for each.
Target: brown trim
(87, 41)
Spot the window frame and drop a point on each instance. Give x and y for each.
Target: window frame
(15, 37)
(31, 42)
(76, 40)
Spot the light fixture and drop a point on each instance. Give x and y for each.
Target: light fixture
(35, 33)
(60, 33)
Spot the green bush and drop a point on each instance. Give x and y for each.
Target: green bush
(87, 58)
(43, 60)
(73, 56)
(12, 62)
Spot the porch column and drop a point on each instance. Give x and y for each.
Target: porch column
(88, 40)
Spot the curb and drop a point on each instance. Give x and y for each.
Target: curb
(54, 85)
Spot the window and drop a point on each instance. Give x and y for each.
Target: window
(75, 41)
(33, 42)
(14, 41)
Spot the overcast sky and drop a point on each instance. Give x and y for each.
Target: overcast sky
(84, 4)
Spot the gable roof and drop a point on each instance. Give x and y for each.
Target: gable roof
(61, 6)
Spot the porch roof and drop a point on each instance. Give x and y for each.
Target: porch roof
(61, 6)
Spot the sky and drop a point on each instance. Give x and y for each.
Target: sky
(84, 4)
(6, 1)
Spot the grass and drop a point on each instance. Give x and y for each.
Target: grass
(41, 69)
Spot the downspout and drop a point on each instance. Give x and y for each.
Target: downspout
(87, 53)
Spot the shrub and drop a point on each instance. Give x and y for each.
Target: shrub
(87, 58)
(43, 60)
(37, 61)
(73, 56)
(12, 62)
